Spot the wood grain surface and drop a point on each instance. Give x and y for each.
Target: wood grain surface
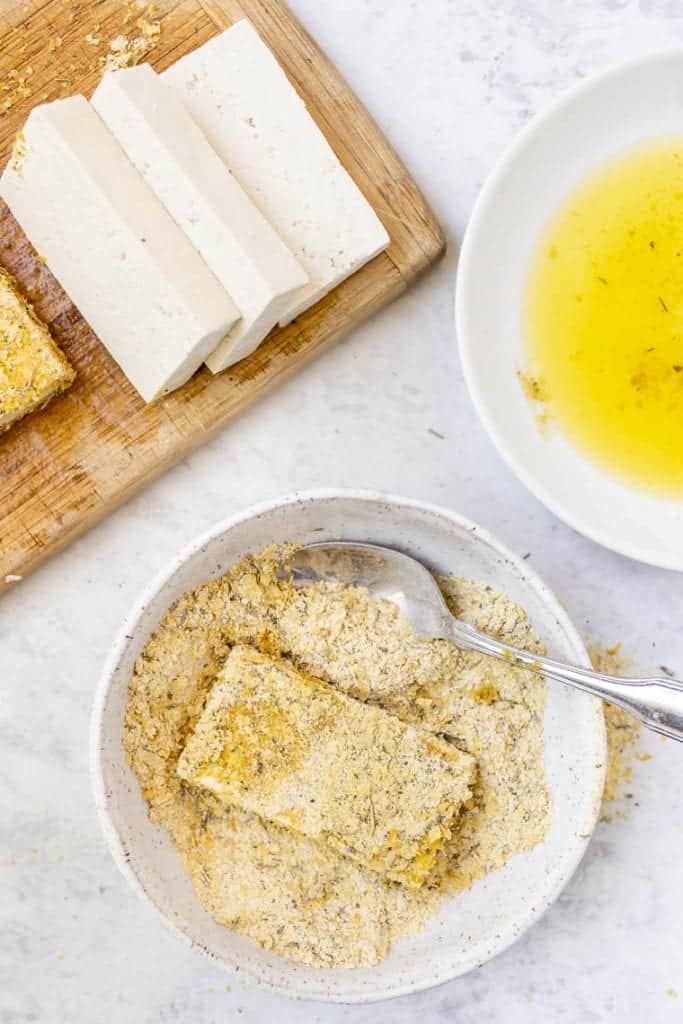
(65, 467)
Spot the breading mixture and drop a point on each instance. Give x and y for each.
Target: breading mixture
(623, 734)
(292, 894)
(298, 752)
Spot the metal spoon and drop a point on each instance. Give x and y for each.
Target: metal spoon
(393, 576)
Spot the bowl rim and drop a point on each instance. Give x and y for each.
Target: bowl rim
(120, 645)
(463, 289)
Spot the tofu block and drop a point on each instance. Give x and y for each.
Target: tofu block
(135, 277)
(297, 752)
(32, 368)
(183, 170)
(239, 95)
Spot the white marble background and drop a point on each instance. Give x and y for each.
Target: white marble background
(451, 81)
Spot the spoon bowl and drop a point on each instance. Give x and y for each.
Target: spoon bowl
(386, 573)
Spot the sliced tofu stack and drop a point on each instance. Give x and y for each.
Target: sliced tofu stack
(32, 368)
(183, 170)
(239, 95)
(135, 277)
(297, 752)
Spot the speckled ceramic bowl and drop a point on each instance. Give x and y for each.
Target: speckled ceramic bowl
(471, 927)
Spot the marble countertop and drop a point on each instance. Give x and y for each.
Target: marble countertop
(451, 82)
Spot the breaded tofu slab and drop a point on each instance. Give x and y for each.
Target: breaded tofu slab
(297, 752)
(32, 368)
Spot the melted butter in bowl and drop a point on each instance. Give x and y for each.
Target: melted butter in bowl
(603, 318)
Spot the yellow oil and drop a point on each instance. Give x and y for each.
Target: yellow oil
(604, 318)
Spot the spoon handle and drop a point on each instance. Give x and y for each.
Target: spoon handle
(658, 703)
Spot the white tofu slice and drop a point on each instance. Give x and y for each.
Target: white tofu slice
(130, 270)
(183, 170)
(239, 95)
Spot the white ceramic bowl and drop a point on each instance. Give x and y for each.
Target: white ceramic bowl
(600, 118)
(472, 927)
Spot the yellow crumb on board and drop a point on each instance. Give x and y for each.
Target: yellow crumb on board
(16, 87)
(125, 51)
(128, 32)
(18, 155)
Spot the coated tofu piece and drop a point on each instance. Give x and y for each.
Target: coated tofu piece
(290, 894)
(239, 95)
(135, 277)
(186, 174)
(297, 752)
(32, 368)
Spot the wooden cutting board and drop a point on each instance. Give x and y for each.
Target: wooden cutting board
(65, 467)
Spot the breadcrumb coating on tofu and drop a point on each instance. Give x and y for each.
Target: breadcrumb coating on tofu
(293, 896)
(295, 751)
(32, 368)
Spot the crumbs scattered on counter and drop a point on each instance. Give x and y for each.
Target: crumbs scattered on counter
(623, 733)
